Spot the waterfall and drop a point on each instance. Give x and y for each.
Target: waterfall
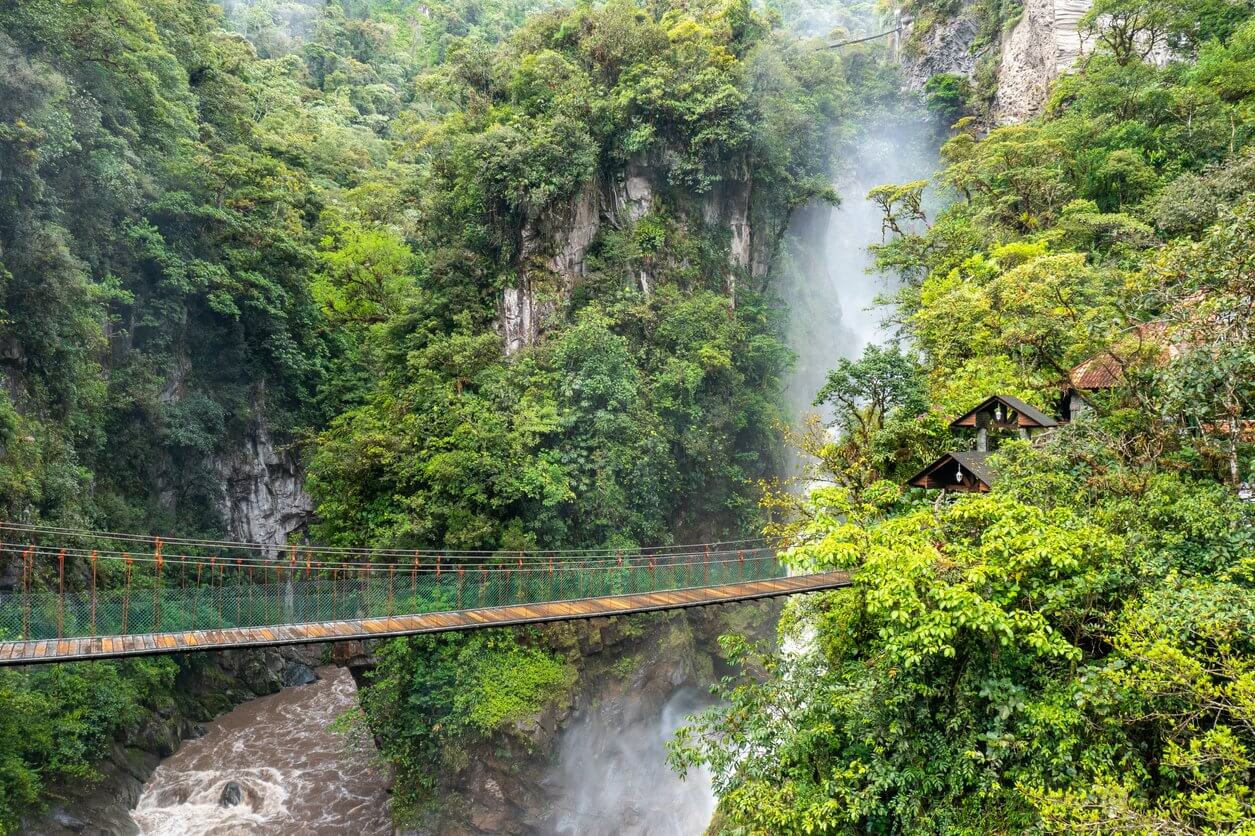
(611, 776)
(829, 290)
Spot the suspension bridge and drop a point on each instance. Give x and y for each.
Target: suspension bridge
(69, 595)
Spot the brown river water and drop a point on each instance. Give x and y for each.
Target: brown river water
(296, 776)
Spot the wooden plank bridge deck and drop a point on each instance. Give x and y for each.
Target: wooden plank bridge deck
(145, 644)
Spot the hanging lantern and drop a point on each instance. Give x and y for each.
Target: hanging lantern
(958, 475)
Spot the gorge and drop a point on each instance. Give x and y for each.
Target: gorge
(501, 277)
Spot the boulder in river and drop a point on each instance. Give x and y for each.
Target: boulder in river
(231, 795)
(298, 673)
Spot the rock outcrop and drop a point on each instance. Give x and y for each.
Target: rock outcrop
(263, 497)
(555, 244)
(1043, 44)
(945, 48)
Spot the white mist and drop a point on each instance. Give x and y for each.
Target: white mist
(612, 778)
(830, 289)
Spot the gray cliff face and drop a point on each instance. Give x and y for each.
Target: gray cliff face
(1043, 44)
(554, 248)
(260, 484)
(727, 204)
(947, 48)
(263, 497)
(555, 245)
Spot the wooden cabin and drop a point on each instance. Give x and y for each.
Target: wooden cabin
(1003, 413)
(962, 472)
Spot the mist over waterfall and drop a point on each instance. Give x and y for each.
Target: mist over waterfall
(830, 291)
(611, 776)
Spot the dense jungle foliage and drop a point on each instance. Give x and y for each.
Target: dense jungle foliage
(1074, 651)
(305, 219)
(300, 219)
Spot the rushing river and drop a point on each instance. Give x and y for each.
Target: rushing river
(295, 775)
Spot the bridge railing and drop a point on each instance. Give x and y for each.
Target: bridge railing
(194, 594)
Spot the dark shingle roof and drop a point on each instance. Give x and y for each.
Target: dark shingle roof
(1028, 411)
(976, 462)
(972, 461)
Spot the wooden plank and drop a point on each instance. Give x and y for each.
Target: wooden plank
(439, 619)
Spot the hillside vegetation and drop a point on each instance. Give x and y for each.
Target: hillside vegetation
(502, 275)
(300, 222)
(1074, 651)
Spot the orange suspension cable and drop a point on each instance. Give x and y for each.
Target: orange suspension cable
(126, 592)
(157, 586)
(196, 594)
(93, 558)
(247, 546)
(28, 569)
(390, 590)
(61, 594)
